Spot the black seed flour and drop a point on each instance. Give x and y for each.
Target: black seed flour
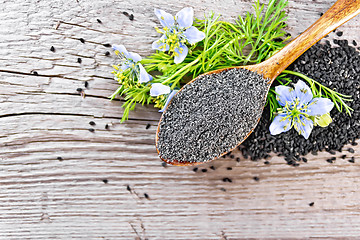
(211, 116)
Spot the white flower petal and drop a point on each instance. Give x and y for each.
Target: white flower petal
(159, 45)
(166, 19)
(280, 124)
(193, 35)
(134, 56)
(181, 54)
(319, 106)
(159, 89)
(185, 17)
(303, 92)
(284, 94)
(144, 76)
(121, 49)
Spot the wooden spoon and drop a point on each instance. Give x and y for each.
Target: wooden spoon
(338, 14)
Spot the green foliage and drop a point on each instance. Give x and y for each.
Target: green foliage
(250, 40)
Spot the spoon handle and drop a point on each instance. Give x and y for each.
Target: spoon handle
(338, 14)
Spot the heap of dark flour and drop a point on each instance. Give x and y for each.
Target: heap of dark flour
(211, 116)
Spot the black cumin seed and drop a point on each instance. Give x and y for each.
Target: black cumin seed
(311, 204)
(106, 126)
(343, 156)
(82, 40)
(354, 43)
(351, 150)
(204, 170)
(35, 73)
(266, 162)
(131, 17)
(256, 178)
(304, 159)
(79, 60)
(195, 169)
(86, 84)
(352, 160)
(229, 168)
(107, 53)
(332, 152)
(105, 181)
(238, 159)
(227, 180)
(331, 160)
(164, 164)
(339, 33)
(232, 156)
(126, 13)
(212, 168)
(59, 158)
(98, 20)
(52, 49)
(223, 189)
(128, 188)
(146, 196)
(79, 89)
(92, 123)
(107, 45)
(91, 130)
(148, 126)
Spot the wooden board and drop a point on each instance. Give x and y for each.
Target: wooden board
(43, 117)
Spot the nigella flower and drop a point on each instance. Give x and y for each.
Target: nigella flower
(132, 60)
(299, 110)
(177, 31)
(159, 90)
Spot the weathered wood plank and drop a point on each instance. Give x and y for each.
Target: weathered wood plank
(44, 117)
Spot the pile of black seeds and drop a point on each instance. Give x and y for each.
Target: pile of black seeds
(211, 116)
(336, 67)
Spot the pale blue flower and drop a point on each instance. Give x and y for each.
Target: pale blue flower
(132, 60)
(177, 31)
(299, 107)
(158, 89)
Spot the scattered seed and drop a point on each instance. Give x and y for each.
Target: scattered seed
(304, 159)
(311, 204)
(223, 189)
(232, 156)
(204, 170)
(98, 20)
(126, 14)
(86, 84)
(343, 156)
(35, 73)
(106, 126)
(59, 158)
(164, 164)
(128, 188)
(339, 33)
(131, 17)
(266, 162)
(92, 123)
(351, 150)
(256, 178)
(212, 168)
(105, 181)
(148, 126)
(91, 130)
(146, 196)
(238, 159)
(79, 89)
(332, 152)
(354, 43)
(227, 180)
(79, 60)
(82, 40)
(107, 45)
(52, 49)
(107, 53)
(195, 169)
(229, 168)
(331, 160)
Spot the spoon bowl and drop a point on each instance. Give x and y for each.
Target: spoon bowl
(338, 14)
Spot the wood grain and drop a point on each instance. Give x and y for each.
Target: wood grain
(43, 117)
